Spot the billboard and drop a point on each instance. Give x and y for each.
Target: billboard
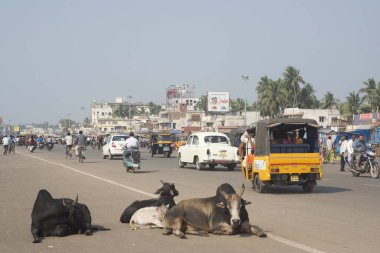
(218, 101)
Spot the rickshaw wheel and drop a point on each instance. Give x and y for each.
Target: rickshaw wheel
(258, 185)
(308, 187)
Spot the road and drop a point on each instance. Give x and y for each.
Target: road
(342, 215)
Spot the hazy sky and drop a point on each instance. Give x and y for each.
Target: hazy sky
(58, 56)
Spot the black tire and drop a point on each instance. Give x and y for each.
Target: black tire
(231, 167)
(198, 165)
(259, 186)
(211, 165)
(375, 170)
(180, 164)
(355, 173)
(104, 156)
(308, 187)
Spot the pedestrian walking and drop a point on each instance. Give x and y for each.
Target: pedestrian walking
(329, 150)
(343, 152)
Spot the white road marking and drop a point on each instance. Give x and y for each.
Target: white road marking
(294, 244)
(270, 236)
(378, 186)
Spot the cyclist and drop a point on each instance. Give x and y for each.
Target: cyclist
(5, 144)
(69, 144)
(81, 144)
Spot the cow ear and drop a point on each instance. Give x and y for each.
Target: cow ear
(246, 202)
(221, 205)
(158, 191)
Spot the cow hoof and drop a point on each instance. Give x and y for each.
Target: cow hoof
(37, 241)
(262, 235)
(167, 232)
(88, 232)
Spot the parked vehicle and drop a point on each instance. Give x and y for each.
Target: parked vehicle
(364, 161)
(279, 159)
(208, 148)
(113, 146)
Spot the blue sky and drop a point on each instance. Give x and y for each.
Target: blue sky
(58, 56)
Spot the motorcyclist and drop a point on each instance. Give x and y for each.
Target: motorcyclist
(49, 141)
(130, 145)
(362, 147)
(40, 140)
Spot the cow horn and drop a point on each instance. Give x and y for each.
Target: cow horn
(64, 203)
(242, 190)
(225, 195)
(162, 182)
(76, 200)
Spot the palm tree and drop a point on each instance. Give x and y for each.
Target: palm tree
(154, 109)
(292, 81)
(329, 101)
(271, 96)
(120, 111)
(307, 99)
(354, 101)
(202, 103)
(370, 94)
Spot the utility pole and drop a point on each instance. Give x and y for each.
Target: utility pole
(245, 79)
(129, 113)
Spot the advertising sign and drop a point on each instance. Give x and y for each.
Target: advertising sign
(365, 118)
(218, 101)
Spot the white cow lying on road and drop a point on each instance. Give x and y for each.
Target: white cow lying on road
(148, 216)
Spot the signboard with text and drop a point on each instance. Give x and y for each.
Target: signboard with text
(218, 101)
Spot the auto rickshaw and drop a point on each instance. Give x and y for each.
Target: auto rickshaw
(162, 144)
(180, 140)
(286, 152)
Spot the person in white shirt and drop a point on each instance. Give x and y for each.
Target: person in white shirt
(69, 144)
(248, 138)
(351, 145)
(131, 142)
(5, 144)
(343, 152)
(329, 149)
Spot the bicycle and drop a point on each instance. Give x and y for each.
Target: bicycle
(80, 154)
(69, 151)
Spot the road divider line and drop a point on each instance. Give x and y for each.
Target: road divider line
(93, 176)
(293, 244)
(270, 236)
(378, 186)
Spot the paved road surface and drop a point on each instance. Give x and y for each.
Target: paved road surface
(342, 215)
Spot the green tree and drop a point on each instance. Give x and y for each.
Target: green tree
(237, 105)
(87, 122)
(354, 102)
(292, 81)
(154, 108)
(371, 94)
(329, 101)
(120, 111)
(202, 103)
(307, 99)
(271, 96)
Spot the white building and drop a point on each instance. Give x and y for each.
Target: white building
(327, 118)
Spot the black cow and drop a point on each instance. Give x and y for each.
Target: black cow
(59, 217)
(219, 214)
(167, 193)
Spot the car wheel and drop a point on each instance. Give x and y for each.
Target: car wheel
(180, 163)
(231, 166)
(211, 165)
(198, 164)
(104, 156)
(259, 186)
(110, 156)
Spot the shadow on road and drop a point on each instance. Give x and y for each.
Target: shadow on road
(298, 190)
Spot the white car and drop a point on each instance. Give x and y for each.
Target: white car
(113, 146)
(208, 148)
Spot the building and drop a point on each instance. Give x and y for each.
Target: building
(327, 118)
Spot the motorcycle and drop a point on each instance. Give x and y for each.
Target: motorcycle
(40, 145)
(31, 148)
(49, 146)
(131, 160)
(364, 161)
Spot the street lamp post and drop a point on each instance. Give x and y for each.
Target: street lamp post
(245, 79)
(129, 113)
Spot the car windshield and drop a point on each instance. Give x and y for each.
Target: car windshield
(216, 139)
(120, 138)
